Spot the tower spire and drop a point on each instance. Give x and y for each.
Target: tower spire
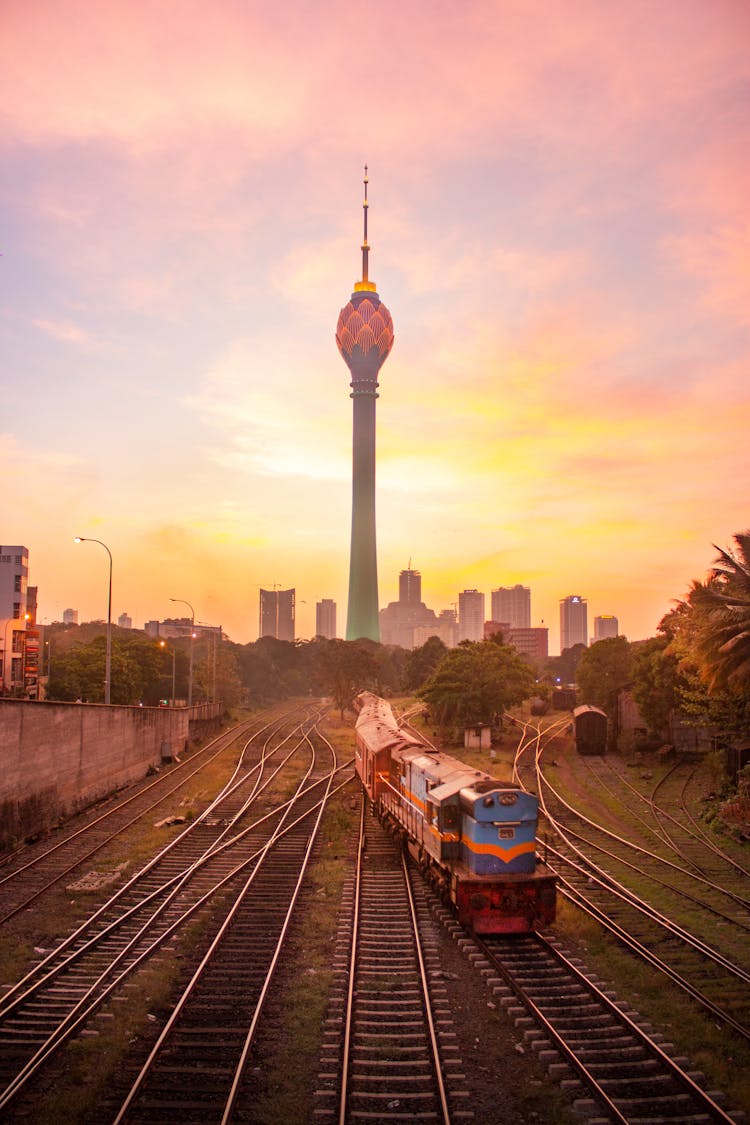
(365, 284)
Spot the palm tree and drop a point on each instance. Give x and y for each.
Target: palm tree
(722, 608)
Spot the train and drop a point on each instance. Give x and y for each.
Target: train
(590, 726)
(473, 836)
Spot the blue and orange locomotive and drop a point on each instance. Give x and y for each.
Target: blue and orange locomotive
(473, 836)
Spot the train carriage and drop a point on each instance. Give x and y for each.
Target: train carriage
(473, 835)
(590, 724)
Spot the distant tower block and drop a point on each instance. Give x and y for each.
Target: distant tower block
(364, 335)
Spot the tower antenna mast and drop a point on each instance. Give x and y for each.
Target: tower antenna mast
(365, 247)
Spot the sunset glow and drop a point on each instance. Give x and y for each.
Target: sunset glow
(559, 224)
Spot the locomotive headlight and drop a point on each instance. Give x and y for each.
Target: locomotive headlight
(508, 798)
(488, 802)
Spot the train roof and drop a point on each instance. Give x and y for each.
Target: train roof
(587, 708)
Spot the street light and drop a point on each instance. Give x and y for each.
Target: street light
(192, 634)
(163, 644)
(108, 663)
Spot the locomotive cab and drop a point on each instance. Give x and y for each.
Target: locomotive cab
(499, 828)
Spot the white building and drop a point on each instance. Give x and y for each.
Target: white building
(470, 615)
(573, 621)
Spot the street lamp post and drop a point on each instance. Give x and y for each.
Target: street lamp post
(108, 662)
(192, 635)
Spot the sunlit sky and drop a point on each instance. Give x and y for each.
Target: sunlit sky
(559, 221)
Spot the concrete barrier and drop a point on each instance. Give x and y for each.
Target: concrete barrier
(57, 758)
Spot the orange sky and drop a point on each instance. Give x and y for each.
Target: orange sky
(559, 227)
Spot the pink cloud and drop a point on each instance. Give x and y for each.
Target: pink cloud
(138, 74)
(65, 331)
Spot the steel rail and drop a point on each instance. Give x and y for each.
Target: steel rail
(177, 882)
(611, 1006)
(614, 887)
(569, 891)
(91, 1000)
(629, 844)
(231, 914)
(76, 1018)
(568, 834)
(427, 1005)
(565, 832)
(214, 848)
(251, 1032)
(346, 1048)
(693, 829)
(227, 737)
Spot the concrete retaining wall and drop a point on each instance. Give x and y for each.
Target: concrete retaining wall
(56, 758)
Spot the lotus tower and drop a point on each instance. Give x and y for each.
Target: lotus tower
(364, 335)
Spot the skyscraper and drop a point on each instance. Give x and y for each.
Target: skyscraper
(606, 625)
(399, 620)
(277, 614)
(364, 335)
(470, 615)
(410, 587)
(573, 621)
(512, 604)
(325, 618)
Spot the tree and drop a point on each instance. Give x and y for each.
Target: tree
(343, 669)
(721, 608)
(421, 663)
(656, 683)
(700, 698)
(603, 669)
(564, 667)
(475, 682)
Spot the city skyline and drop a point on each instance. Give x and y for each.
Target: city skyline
(561, 245)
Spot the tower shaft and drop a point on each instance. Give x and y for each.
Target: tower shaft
(362, 614)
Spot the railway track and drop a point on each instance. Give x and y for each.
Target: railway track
(668, 913)
(211, 1030)
(208, 862)
(30, 871)
(624, 1072)
(389, 1051)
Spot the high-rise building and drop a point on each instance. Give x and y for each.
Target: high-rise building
(606, 625)
(410, 587)
(573, 621)
(400, 620)
(512, 604)
(277, 614)
(325, 618)
(364, 335)
(70, 617)
(470, 615)
(125, 621)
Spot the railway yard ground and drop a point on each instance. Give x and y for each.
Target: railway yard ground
(505, 1078)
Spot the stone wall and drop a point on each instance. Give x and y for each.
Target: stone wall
(56, 758)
